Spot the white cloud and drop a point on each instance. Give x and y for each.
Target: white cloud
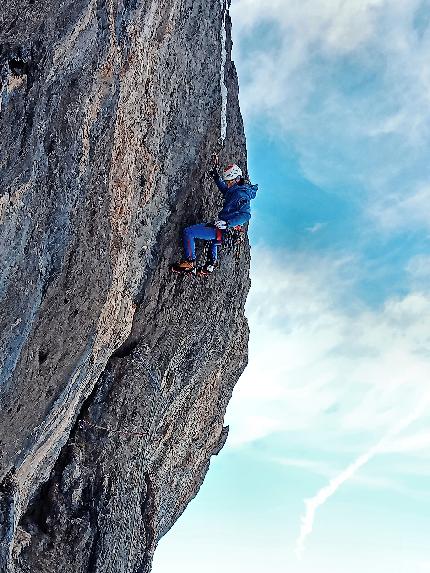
(310, 36)
(348, 83)
(419, 267)
(330, 375)
(254, 427)
(397, 211)
(337, 25)
(418, 271)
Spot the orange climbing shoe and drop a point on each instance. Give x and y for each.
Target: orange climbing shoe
(184, 267)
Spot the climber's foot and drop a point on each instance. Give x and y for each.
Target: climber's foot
(184, 267)
(206, 270)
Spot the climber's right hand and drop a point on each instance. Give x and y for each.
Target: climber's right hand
(220, 224)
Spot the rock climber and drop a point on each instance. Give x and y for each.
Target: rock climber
(235, 213)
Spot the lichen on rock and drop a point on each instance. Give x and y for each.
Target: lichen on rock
(115, 375)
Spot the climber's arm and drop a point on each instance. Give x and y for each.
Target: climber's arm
(222, 185)
(242, 215)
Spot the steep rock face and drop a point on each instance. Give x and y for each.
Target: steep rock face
(115, 375)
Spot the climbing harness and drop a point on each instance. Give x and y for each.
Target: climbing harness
(233, 237)
(218, 237)
(231, 240)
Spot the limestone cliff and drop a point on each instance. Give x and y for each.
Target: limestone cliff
(115, 375)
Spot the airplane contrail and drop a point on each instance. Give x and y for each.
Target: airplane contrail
(313, 503)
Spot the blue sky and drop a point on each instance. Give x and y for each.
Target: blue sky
(328, 453)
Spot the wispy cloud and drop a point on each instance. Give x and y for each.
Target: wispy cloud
(326, 492)
(328, 375)
(320, 360)
(348, 84)
(419, 268)
(316, 228)
(410, 209)
(331, 470)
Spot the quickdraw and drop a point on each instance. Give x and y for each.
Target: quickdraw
(233, 237)
(218, 239)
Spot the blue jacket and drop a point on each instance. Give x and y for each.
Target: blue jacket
(237, 208)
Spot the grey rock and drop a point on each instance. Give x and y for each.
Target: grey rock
(115, 374)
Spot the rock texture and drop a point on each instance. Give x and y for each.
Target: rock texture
(115, 375)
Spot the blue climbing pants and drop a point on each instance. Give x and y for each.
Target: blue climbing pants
(205, 233)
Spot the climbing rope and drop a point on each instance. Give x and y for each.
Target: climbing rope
(84, 423)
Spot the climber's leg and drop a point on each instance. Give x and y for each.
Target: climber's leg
(214, 252)
(201, 231)
(190, 234)
(210, 264)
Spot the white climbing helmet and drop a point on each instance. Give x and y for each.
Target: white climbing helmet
(231, 172)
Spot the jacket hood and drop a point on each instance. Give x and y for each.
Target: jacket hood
(250, 190)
